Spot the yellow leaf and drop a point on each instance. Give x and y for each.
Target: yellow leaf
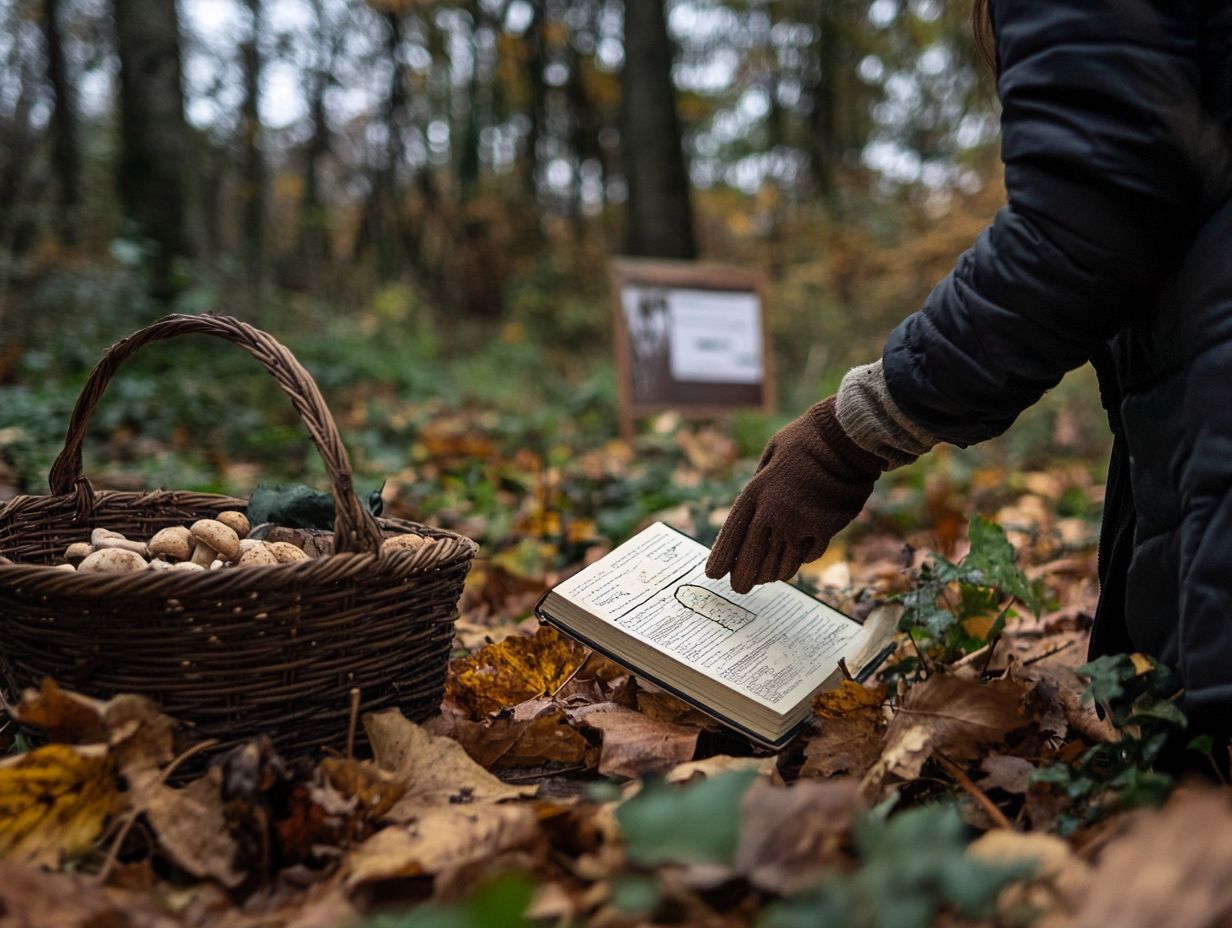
(846, 698)
(513, 671)
(54, 802)
(1142, 663)
(978, 626)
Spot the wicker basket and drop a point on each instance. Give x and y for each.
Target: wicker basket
(241, 651)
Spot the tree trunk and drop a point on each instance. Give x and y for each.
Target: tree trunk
(64, 158)
(660, 213)
(156, 175)
(314, 244)
(528, 157)
(252, 160)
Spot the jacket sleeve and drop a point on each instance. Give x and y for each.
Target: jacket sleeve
(1103, 135)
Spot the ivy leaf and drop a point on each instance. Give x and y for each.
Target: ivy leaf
(993, 556)
(699, 823)
(299, 506)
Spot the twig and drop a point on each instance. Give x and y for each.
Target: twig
(920, 654)
(352, 722)
(114, 854)
(992, 649)
(543, 774)
(565, 682)
(842, 666)
(980, 797)
(1047, 654)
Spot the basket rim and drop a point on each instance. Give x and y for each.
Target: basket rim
(48, 580)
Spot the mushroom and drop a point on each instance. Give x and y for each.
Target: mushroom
(214, 541)
(186, 565)
(4, 560)
(256, 555)
(174, 543)
(105, 538)
(236, 521)
(112, 561)
(68, 567)
(287, 553)
(407, 542)
(159, 564)
(78, 551)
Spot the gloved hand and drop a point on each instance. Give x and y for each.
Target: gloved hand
(812, 480)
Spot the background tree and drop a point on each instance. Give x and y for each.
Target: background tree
(660, 207)
(156, 167)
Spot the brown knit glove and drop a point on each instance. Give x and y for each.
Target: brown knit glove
(811, 482)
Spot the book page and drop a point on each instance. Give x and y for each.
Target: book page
(775, 644)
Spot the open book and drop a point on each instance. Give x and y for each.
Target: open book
(753, 661)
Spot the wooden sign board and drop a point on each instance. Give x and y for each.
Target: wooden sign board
(690, 337)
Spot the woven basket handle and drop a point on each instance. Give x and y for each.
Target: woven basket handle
(354, 527)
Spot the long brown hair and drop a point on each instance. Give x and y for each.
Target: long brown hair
(981, 26)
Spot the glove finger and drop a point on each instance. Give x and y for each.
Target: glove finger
(731, 537)
(811, 548)
(751, 560)
(784, 561)
(789, 563)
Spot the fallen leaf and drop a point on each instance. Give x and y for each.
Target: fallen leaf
(517, 741)
(139, 735)
(850, 744)
(1170, 867)
(441, 838)
(513, 671)
(1006, 772)
(635, 744)
(192, 830)
(32, 898)
(432, 770)
(719, 763)
(54, 802)
(960, 714)
(791, 835)
(846, 698)
(1059, 874)
(661, 705)
(901, 759)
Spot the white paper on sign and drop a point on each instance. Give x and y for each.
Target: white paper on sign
(715, 336)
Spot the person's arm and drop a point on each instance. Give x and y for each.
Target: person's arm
(1105, 146)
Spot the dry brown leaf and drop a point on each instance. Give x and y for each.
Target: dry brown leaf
(790, 836)
(32, 898)
(719, 763)
(54, 802)
(431, 769)
(960, 714)
(846, 698)
(441, 838)
(1006, 772)
(901, 759)
(517, 741)
(513, 671)
(634, 744)
(850, 744)
(192, 829)
(140, 736)
(661, 705)
(1059, 874)
(1169, 868)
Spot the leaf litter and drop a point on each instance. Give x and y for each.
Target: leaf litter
(554, 783)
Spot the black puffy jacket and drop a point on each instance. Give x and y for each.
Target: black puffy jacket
(1115, 247)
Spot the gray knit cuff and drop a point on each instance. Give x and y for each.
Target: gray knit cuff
(870, 417)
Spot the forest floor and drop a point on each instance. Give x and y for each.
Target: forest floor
(971, 783)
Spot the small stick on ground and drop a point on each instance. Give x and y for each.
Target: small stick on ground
(981, 798)
(352, 722)
(1047, 654)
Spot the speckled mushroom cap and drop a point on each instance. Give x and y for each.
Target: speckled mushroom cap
(217, 536)
(174, 543)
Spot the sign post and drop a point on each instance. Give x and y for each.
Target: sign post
(690, 337)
